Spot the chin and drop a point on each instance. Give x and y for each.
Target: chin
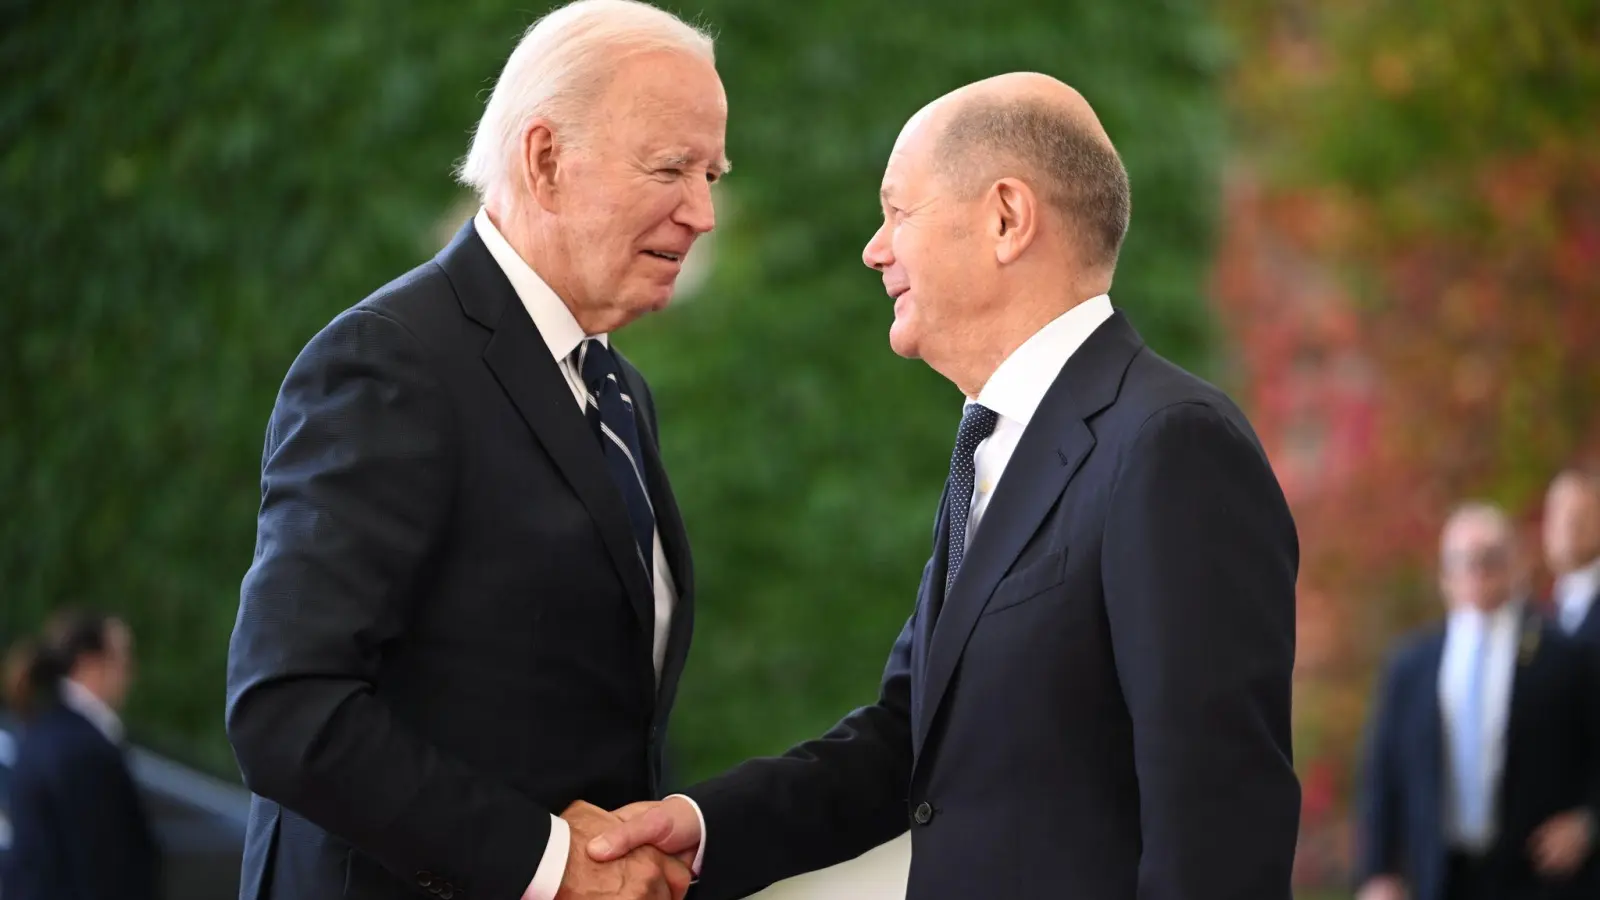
(903, 341)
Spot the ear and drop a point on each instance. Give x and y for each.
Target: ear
(541, 164)
(1013, 220)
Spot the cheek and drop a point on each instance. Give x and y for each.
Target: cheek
(650, 207)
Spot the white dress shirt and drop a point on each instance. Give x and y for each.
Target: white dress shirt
(562, 334)
(1014, 391)
(1017, 387)
(1455, 673)
(1575, 592)
(82, 701)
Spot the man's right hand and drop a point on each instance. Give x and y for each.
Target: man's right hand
(1383, 887)
(671, 826)
(643, 874)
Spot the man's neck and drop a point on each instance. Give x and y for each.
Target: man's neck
(1003, 339)
(538, 248)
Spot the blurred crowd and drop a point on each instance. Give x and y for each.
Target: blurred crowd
(79, 825)
(1481, 777)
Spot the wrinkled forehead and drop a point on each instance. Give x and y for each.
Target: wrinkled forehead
(695, 132)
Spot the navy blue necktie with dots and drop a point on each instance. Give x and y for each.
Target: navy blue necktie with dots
(610, 413)
(977, 423)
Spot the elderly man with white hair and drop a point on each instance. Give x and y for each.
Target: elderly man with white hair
(471, 597)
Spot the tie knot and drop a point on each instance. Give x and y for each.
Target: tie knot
(977, 423)
(595, 364)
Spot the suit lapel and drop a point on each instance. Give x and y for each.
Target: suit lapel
(674, 542)
(1589, 628)
(1051, 450)
(1524, 680)
(521, 362)
(930, 596)
(1432, 743)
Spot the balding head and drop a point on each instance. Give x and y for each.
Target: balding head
(1034, 128)
(1572, 521)
(1004, 206)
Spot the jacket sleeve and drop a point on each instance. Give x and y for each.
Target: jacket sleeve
(357, 481)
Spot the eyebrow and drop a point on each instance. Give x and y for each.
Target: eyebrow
(682, 160)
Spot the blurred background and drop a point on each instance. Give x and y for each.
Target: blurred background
(1376, 224)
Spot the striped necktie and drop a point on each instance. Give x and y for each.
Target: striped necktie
(610, 413)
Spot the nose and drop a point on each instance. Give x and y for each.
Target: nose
(878, 254)
(696, 212)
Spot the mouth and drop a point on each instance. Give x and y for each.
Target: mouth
(895, 293)
(663, 254)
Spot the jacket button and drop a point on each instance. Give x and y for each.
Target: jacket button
(424, 879)
(923, 814)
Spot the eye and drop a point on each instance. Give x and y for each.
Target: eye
(713, 176)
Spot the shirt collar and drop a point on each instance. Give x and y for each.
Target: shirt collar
(556, 324)
(1509, 613)
(1582, 583)
(1019, 385)
(82, 701)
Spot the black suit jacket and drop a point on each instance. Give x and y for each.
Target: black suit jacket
(446, 633)
(80, 830)
(1588, 632)
(1550, 765)
(1101, 709)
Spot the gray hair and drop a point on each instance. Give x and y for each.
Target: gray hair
(1077, 172)
(559, 67)
(1484, 511)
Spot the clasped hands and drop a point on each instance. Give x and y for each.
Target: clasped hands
(642, 851)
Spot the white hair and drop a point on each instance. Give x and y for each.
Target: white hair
(1485, 512)
(557, 70)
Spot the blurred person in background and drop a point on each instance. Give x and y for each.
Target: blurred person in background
(471, 598)
(1572, 551)
(1091, 696)
(1480, 781)
(80, 829)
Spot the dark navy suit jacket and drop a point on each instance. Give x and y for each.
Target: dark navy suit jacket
(1102, 708)
(80, 830)
(1589, 629)
(446, 633)
(1551, 765)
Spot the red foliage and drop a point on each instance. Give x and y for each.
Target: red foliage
(1468, 365)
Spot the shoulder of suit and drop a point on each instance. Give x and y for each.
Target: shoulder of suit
(415, 297)
(62, 738)
(1414, 649)
(421, 303)
(1154, 385)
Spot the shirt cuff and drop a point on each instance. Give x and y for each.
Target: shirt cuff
(700, 852)
(553, 865)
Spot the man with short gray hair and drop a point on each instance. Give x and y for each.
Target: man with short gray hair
(471, 599)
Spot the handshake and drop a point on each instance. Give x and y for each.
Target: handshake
(643, 851)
